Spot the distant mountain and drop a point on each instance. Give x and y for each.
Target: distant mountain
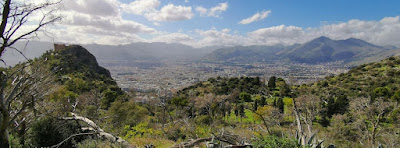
(147, 51)
(319, 50)
(245, 54)
(323, 49)
(128, 54)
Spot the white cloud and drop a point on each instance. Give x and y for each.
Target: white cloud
(93, 7)
(383, 32)
(255, 17)
(214, 37)
(115, 24)
(103, 24)
(171, 12)
(277, 35)
(201, 10)
(139, 7)
(214, 11)
(91, 35)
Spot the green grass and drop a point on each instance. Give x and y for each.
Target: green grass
(249, 117)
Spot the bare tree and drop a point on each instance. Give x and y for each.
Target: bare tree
(209, 102)
(374, 112)
(269, 115)
(18, 17)
(21, 87)
(20, 90)
(305, 108)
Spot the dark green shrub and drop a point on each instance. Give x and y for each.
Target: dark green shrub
(48, 131)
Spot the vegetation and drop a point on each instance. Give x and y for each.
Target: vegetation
(15, 86)
(358, 109)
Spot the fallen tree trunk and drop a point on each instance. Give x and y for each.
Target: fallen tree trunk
(223, 137)
(192, 143)
(96, 130)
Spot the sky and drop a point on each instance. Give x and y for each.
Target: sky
(200, 23)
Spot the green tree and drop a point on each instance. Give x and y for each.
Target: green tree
(263, 101)
(284, 90)
(396, 96)
(48, 131)
(123, 113)
(241, 112)
(255, 106)
(245, 97)
(280, 105)
(109, 96)
(380, 92)
(179, 101)
(272, 83)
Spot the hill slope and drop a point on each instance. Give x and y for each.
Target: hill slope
(379, 79)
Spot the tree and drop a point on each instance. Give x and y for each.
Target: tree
(17, 19)
(269, 115)
(245, 97)
(306, 108)
(18, 16)
(21, 89)
(272, 82)
(380, 92)
(374, 112)
(263, 101)
(241, 112)
(280, 105)
(255, 106)
(284, 89)
(396, 96)
(209, 103)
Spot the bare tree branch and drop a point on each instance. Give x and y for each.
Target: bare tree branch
(97, 129)
(74, 135)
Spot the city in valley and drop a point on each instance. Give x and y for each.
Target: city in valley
(172, 76)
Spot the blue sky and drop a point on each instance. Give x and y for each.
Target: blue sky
(216, 22)
(302, 13)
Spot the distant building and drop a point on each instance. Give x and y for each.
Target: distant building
(58, 47)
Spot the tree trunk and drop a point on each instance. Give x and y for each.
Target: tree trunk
(4, 120)
(299, 127)
(4, 139)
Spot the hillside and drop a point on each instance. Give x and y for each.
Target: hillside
(379, 79)
(345, 110)
(320, 50)
(62, 82)
(250, 109)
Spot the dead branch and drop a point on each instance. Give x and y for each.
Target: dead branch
(97, 130)
(74, 135)
(225, 137)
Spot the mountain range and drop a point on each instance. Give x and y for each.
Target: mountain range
(320, 50)
(129, 54)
